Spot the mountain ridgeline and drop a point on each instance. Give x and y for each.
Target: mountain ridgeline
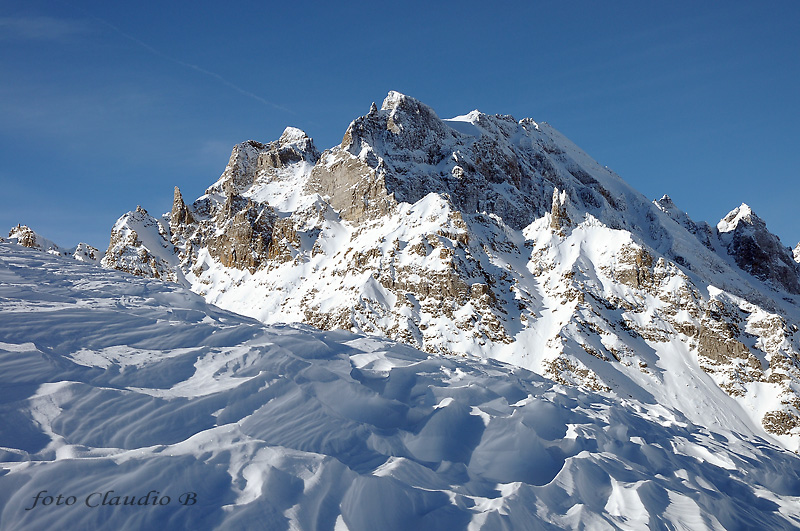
(486, 236)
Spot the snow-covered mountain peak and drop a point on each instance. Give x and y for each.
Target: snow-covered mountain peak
(466, 124)
(758, 251)
(487, 236)
(797, 252)
(741, 214)
(396, 101)
(666, 203)
(140, 245)
(479, 162)
(293, 135)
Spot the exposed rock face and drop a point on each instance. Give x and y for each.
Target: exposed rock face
(229, 226)
(481, 163)
(355, 190)
(758, 251)
(253, 160)
(481, 235)
(243, 235)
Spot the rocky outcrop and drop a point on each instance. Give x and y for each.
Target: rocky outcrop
(24, 236)
(758, 251)
(228, 225)
(87, 253)
(252, 161)
(634, 267)
(140, 245)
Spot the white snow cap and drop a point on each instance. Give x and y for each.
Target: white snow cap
(292, 134)
(470, 117)
(741, 213)
(665, 202)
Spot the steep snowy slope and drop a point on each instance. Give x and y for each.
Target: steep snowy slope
(132, 404)
(486, 236)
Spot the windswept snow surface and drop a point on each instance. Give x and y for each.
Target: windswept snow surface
(119, 389)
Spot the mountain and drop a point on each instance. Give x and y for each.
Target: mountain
(489, 237)
(131, 403)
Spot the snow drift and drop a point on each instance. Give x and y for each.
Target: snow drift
(131, 403)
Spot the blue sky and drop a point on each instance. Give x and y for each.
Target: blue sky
(106, 105)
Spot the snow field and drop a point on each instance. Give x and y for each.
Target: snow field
(115, 383)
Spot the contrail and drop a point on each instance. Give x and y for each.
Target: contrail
(200, 69)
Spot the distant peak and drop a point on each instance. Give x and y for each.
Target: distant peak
(741, 214)
(292, 135)
(745, 210)
(397, 102)
(666, 204)
(470, 117)
(394, 100)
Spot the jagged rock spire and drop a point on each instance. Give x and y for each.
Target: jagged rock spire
(180, 214)
(559, 217)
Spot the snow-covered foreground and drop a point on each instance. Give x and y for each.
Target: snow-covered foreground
(132, 404)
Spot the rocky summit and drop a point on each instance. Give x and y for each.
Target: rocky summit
(485, 236)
